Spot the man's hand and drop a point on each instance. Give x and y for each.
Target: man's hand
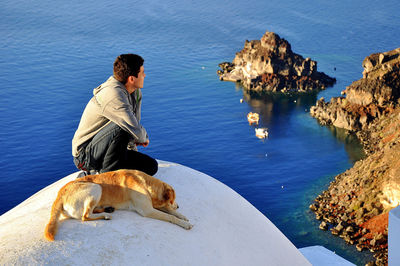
(144, 144)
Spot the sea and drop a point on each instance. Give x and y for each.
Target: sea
(53, 53)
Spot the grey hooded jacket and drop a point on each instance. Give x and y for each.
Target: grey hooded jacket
(111, 102)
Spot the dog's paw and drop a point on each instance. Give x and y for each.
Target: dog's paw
(187, 226)
(109, 209)
(107, 217)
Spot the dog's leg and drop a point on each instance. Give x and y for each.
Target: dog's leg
(91, 202)
(145, 208)
(103, 209)
(179, 215)
(82, 200)
(88, 214)
(174, 213)
(98, 210)
(156, 214)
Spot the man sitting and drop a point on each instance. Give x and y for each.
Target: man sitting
(110, 129)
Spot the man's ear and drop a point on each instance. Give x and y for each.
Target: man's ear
(132, 79)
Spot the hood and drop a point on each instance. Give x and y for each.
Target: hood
(111, 82)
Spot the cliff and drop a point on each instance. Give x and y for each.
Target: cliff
(371, 97)
(356, 204)
(270, 64)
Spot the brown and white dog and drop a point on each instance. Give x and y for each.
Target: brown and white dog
(88, 198)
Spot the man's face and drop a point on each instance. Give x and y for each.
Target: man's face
(138, 84)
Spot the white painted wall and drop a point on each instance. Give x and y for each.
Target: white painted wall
(394, 236)
(321, 256)
(227, 230)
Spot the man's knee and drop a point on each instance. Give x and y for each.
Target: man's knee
(111, 133)
(153, 167)
(107, 147)
(139, 161)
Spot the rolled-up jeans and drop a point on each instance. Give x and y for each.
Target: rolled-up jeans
(107, 151)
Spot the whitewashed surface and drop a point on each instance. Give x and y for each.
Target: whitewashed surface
(227, 230)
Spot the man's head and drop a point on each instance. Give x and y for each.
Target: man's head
(127, 65)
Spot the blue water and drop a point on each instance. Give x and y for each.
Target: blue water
(53, 53)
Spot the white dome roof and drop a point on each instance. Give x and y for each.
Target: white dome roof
(227, 230)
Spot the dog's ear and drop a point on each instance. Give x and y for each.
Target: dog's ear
(167, 194)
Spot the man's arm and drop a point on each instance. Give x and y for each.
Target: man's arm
(119, 111)
(145, 144)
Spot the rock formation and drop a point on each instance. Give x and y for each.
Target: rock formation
(270, 64)
(356, 204)
(374, 95)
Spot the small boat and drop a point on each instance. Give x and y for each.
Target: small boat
(253, 118)
(261, 132)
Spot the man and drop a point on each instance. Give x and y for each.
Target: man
(110, 128)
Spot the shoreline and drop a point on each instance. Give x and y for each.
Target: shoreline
(355, 206)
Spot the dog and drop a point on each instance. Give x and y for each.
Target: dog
(93, 196)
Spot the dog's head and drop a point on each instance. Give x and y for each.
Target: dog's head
(169, 197)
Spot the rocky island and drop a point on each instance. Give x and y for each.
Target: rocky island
(270, 64)
(355, 206)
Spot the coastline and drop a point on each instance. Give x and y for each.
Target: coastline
(355, 206)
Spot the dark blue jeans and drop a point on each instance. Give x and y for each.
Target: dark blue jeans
(107, 151)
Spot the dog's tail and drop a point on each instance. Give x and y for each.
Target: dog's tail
(51, 228)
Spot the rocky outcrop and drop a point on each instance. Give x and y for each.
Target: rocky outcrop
(270, 64)
(356, 204)
(373, 96)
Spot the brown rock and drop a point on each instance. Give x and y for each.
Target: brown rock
(323, 226)
(360, 247)
(339, 227)
(313, 207)
(350, 229)
(366, 99)
(270, 64)
(334, 232)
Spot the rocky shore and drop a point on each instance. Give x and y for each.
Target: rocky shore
(355, 206)
(371, 97)
(270, 64)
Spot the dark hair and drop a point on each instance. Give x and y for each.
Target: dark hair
(127, 65)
